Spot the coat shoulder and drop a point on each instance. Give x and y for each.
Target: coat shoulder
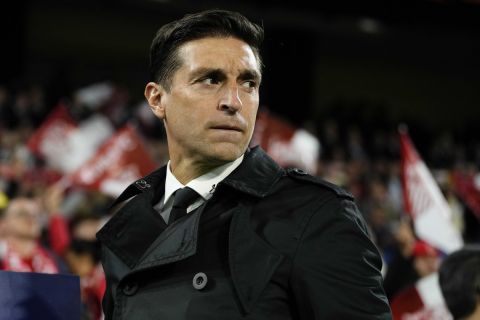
(303, 177)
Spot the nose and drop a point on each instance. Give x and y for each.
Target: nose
(230, 100)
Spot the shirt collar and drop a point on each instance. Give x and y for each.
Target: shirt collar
(204, 185)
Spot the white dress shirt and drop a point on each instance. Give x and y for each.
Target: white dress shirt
(204, 185)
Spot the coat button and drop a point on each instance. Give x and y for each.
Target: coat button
(130, 289)
(200, 281)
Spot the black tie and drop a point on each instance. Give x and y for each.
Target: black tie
(183, 198)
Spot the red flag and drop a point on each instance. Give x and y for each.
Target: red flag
(286, 144)
(50, 140)
(66, 145)
(117, 163)
(424, 201)
(467, 187)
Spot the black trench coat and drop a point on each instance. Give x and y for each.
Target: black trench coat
(270, 244)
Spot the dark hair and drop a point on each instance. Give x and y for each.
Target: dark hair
(459, 277)
(79, 218)
(164, 60)
(89, 247)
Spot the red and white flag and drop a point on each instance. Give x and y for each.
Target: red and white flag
(86, 139)
(66, 145)
(118, 162)
(286, 144)
(424, 201)
(51, 139)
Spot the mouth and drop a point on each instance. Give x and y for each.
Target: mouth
(227, 127)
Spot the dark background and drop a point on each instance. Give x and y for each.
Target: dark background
(370, 64)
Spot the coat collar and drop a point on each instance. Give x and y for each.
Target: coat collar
(256, 175)
(131, 231)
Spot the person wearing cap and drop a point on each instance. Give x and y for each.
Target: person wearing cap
(221, 231)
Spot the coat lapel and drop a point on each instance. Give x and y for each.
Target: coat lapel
(177, 242)
(131, 230)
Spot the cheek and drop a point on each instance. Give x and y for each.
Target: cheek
(250, 114)
(252, 102)
(184, 123)
(181, 107)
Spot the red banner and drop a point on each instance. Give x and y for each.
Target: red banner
(51, 138)
(65, 144)
(118, 162)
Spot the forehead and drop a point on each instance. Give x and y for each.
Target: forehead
(228, 53)
(22, 206)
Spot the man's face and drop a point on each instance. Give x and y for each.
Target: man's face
(22, 219)
(210, 110)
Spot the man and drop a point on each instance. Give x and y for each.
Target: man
(460, 283)
(254, 241)
(20, 231)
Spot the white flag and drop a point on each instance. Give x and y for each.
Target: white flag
(425, 202)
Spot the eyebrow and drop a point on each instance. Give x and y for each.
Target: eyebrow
(244, 75)
(200, 72)
(250, 74)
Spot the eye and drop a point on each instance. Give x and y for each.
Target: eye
(250, 84)
(210, 80)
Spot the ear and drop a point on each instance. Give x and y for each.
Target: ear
(154, 93)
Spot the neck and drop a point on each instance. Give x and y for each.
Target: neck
(22, 246)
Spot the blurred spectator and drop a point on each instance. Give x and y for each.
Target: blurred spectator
(426, 259)
(356, 148)
(460, 283)
(25, 108)
(379, 211)
(78, 245)
(400, 268)
(330, 138)
(422, 299)
(20, 231)
(443, 150)
(83, 259)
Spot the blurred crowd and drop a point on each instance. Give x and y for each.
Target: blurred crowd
(49, 227)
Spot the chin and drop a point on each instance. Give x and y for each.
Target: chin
(226, 152)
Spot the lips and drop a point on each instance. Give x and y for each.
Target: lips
(228, 127)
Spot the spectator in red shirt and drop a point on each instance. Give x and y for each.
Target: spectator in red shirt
(20, 231)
